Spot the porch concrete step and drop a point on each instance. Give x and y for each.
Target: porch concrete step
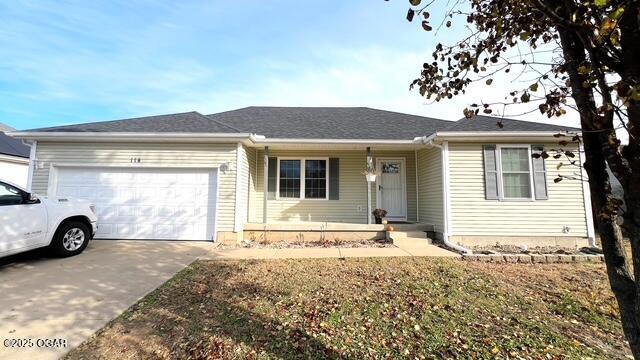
(411, 242)
(413, 227)
(408, 234)
(409, 238)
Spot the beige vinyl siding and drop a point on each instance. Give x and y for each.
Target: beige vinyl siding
(471, 214)
(430, 190)
(353, 190)
(151, 154)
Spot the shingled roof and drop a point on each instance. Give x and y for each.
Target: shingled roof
(188, 122)
(490, 123)
(358, 123)
(13, 147)
(329, 123)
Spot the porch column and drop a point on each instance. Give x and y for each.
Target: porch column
(369, 168)
(266, 184)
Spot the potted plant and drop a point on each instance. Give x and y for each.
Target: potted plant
(379, 214)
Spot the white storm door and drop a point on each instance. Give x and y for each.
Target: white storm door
(392, 194)
(146, 203)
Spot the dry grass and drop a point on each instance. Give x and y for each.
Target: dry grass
(369, 308)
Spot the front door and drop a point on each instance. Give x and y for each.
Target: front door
(392, 194)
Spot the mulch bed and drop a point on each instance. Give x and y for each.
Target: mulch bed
(309, 244)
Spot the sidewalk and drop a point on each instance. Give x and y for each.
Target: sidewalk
(320, 252)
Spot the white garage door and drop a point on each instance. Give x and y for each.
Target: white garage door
(140, 203)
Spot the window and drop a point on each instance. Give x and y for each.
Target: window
(315, 179)
(10, 195)
(289, 178)
(515, 174)
(294, 183)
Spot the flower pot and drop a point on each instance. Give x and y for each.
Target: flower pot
(371, 177)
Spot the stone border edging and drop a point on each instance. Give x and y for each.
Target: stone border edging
(533, 259)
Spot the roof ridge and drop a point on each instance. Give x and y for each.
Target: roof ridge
(208, 117)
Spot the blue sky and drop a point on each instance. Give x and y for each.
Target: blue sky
(65, 62)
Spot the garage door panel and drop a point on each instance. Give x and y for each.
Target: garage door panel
(146, 203)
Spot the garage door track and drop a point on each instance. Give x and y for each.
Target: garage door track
(70, 299)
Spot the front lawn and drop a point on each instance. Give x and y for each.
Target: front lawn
(369, 308)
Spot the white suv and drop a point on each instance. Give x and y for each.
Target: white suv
(28, 222)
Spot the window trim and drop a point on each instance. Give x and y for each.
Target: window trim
(501, 196)
(303, 161)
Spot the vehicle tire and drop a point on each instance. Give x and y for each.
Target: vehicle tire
(70, 239)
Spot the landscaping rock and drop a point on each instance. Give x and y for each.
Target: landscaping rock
(565, 258)
(511, 258)
(525, 259)
(497, 258)
(579, 258)
(552, 258)
(538, 259)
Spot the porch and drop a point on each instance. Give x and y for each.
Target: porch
(332, 232)
(285, 185)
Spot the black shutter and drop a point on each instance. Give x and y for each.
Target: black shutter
(490, 172)
(334, 179)
(272, 178)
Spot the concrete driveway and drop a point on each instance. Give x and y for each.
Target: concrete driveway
(70, 299)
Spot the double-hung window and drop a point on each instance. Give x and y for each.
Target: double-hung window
(515, 171)
(303, 179)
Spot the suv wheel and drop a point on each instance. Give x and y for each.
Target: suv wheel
(70, 239)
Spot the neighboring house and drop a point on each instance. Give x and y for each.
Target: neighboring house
(14, 158)
(191, 176)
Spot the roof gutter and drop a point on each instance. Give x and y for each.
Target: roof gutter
(274, 141)
(488, 135)
(246, 138)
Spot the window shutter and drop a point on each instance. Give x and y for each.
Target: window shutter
(272, 178)
(539, 174)
(334, 179)
(490, 172)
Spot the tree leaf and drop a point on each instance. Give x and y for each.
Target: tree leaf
(410, 15)
(534, 87)
(489, 81)
(426, 26)
(415, 2)
(599, 3)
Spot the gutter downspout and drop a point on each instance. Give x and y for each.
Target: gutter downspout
(586, 197)
(444, 149)
(32, 162)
